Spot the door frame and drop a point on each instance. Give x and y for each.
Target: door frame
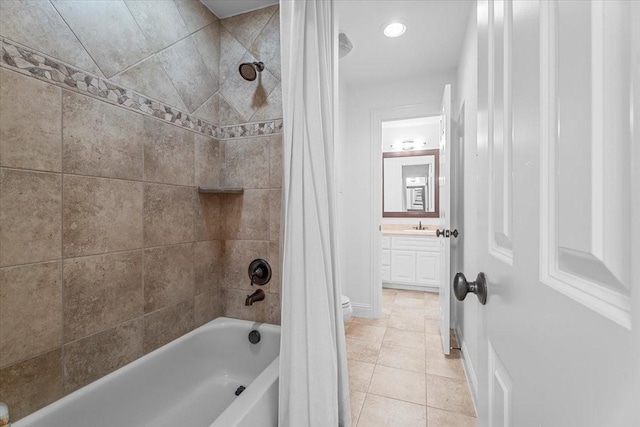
(379, 116)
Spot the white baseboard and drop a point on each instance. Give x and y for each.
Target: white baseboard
(423, 288)
(469, 371)
(362, 310)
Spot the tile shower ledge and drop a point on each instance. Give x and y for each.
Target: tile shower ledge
(30, 62)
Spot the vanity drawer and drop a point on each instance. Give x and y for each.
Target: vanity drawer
(386, 257)
(385, 273)
(415, 243)
(386, 242)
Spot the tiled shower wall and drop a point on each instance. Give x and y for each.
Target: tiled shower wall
(176, 52)
(107, 251)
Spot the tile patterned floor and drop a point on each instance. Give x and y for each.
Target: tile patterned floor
(398, 375)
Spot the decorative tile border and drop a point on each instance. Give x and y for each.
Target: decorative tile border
(251, 129)
(28, 62)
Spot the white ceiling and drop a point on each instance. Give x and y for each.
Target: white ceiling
(226, 8)
(432, 42)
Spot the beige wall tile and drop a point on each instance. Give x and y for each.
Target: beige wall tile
(30, 124)
(246, 97)
(227, 115)
(187, 71)
(93, 357)
(100, 139)
(233, 302)
(168, 214)
(208, 221)
(30, 310)
(275, 161)
(20, 21)
(208, 266)
(247, 215)
(273, 314)
(237, 256)
(108, 32)
(163, 326)
(30, 217)
(449, 394)
(207, 42)
(276, 274)
(169, 276)
(207, 306)
(168, 153)
(246, 163)
(208, 167)
(101, 215)
(271, 108)
(150, 78)
(379, 411)
(247, 26)
(195, 14)
(101, 292)
(160, 22)
(266, 46)
(30, 385)
(209, 110)
(275, 196)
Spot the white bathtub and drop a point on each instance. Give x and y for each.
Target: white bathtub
(189, 382)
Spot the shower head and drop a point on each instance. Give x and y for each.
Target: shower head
(249, 70)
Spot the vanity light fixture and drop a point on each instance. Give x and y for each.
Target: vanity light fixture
(407, 145)
(394, 29)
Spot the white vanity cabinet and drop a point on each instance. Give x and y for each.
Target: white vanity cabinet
(411, 261)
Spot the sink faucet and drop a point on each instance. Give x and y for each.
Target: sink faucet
(254, 297)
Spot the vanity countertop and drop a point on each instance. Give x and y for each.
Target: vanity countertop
(411, 232)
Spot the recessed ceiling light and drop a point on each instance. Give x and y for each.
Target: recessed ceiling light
(394, 29)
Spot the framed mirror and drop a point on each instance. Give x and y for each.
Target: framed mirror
(410, 184)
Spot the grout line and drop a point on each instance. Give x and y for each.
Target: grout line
(79, 41)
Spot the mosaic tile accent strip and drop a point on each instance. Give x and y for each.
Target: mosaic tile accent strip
(27, 61)
(251, 129)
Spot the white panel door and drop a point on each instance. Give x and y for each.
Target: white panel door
(445, 219)
(403, 266)
(559, 228)
(428, 268)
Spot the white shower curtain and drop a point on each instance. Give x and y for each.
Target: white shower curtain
(313, 373)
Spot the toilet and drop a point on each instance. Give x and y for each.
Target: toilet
(346, 308)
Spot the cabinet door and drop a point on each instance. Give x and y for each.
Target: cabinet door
(403, 266)
(385, 273)
(386, 257)
(428, 268)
